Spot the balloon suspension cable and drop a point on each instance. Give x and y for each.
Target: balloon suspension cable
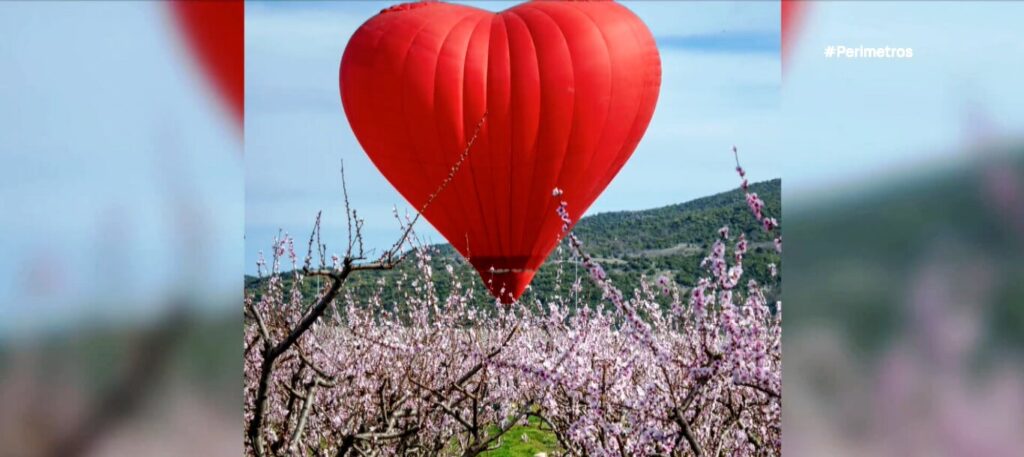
(447, 180)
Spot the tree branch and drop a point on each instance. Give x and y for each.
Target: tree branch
(387, 261)
(688, 434)
(307, 404)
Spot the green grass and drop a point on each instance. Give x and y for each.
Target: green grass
(512, 444)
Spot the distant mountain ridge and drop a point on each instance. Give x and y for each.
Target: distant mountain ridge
(625, 232)
(669, 241)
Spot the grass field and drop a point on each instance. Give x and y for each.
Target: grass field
(537, 441)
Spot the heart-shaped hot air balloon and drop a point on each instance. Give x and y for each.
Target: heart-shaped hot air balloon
(215, 33)
(568, 90)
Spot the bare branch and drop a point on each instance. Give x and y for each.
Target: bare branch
(324, 378)
(487, 358)
(483, 446)
(348, 210)
(272, 352)
(765, 390)
(307, 403)
(387, 435)
(262, 326)
(444, 407)
(315, 234)
(387, 261)
(688, 434)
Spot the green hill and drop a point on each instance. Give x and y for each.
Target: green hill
(670, 241)
(953, 220)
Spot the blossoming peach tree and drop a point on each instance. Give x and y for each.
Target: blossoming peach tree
(655, 371)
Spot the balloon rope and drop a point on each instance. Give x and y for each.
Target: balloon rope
(451, 176)
(457, 166)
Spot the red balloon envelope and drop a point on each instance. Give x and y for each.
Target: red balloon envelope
(215, 32)
(568, 89)
(793, 12)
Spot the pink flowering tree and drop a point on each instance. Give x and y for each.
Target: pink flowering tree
(655, 371)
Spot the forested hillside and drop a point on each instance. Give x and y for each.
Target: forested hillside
(670, 241)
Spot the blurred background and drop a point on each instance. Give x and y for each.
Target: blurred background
(904, 209)
(122, 207)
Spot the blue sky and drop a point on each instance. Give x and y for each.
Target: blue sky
(720, 86)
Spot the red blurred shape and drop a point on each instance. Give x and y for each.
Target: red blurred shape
(793, 14)
(215, 32)
(568, 89)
